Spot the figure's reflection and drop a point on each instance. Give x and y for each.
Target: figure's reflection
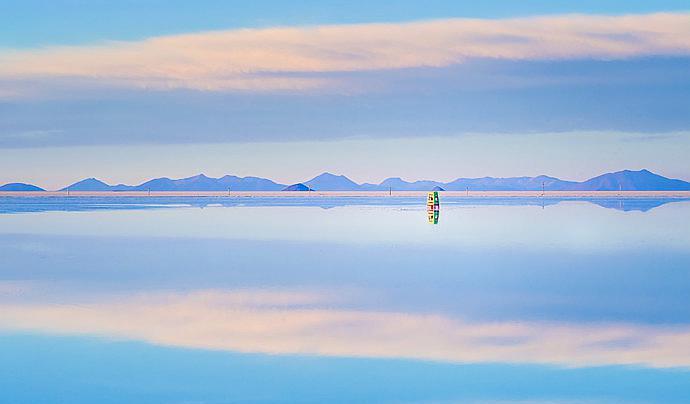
(432, 215)
(432, 207)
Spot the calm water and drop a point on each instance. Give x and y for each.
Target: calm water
(221, 300)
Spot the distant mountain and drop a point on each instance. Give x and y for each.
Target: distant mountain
(297, 187)
(250, 183)
(94, 185)
(197, 183)
(331, 182)
(397, 184)
(626, 180)
(203, 183)
(20, 187)
(158, 184)
(509, 184)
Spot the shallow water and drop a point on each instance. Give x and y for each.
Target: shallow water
(219, 300)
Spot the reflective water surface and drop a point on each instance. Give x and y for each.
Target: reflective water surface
(223, 300)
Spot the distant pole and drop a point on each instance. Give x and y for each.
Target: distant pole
(149, 191)
(390, 191)
(228, 191)
(542, 188)
(467, 191)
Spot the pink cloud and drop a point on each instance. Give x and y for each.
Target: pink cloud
(264, 59)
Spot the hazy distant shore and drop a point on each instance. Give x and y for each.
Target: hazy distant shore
(326, 194)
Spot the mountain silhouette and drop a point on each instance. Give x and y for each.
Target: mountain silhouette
(397, 184)
(297, 187)
(95, 185)
(20, 187)
(196, 183)
(331, 182)
(626, 180)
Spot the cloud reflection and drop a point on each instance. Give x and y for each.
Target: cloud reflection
(299, 322)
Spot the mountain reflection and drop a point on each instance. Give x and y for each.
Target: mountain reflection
(93, 203)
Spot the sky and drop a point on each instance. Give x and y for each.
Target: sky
(130, 90)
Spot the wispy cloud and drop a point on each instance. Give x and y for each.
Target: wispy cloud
(267, 59)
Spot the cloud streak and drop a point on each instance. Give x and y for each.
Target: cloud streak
(296, 58)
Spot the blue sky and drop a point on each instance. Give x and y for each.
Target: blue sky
(601, 85)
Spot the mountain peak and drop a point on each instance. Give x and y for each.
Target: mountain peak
(329, 175)
(626, 171)
(332, 182)
(198, 177)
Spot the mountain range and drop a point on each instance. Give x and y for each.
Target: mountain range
(197, 183)
(626, 180)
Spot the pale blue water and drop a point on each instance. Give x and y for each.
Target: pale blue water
(225, 300)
